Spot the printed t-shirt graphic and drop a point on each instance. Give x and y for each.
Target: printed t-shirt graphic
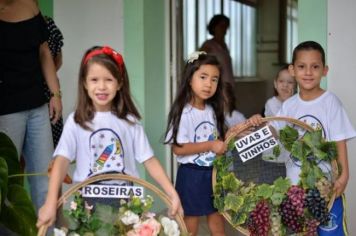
(107, 152)
(205, 131)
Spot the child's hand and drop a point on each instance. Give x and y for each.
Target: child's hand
(176, 206)
(218, 147)
(255, 120)
(340, 185)
(46, 215)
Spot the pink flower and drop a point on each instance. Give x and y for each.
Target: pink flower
(149, 227)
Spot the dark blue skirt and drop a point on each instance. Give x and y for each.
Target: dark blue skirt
(194, 186)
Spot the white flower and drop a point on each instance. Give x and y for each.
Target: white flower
(195, 55)
(73, 205)
(170, 227)
(150, 214)
(129, 218)
(59, 232)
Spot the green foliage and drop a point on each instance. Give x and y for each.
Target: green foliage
(276, 151)
(105, 220)
(3, 180)
(17, 212)
(233, 202)
(310, 150)
(230, 182)
(80, 219)
(281, 185)
(288, 136)
(16, 209)
(264, 191)
(9, 153)
(238, 199)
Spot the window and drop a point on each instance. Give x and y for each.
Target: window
(291, 28)
(240, 38)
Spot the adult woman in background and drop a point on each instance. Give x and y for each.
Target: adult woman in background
(216, 46)
(217, 27)
(25, 61)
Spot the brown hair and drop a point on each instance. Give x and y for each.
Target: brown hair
(122, 104)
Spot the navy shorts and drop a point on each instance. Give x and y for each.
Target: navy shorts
(194, 186)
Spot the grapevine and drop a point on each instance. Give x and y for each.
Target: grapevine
(279, 209)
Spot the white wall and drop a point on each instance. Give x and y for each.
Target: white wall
(342, 80)
(85, 23)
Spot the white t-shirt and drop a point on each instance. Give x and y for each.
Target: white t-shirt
(196, 126)
(233, 119)
(272, 106)
(326, 113)
(113, 144)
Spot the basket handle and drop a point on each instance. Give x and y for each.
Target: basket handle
(238, 128)
(178, 217)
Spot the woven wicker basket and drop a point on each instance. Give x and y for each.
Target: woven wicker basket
(179, 218)
(238, 129)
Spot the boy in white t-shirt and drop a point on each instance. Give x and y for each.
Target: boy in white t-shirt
(321, 110)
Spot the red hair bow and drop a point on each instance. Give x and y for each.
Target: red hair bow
(107, 51)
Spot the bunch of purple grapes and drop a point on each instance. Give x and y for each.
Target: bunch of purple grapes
(317, 206)
(292, 209)
(296, 195)
(258, 223)
(311, 226)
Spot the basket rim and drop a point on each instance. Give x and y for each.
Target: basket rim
(117, 176)
(238, 128)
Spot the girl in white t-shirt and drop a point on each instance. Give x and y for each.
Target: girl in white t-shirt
(196, 125)
(103, 134)
(284, 88)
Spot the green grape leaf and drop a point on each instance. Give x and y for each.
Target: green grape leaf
(288, 136)
(319, 154)
(219, 203)
(72, 223)
(239, 219)
(105, 230)
(105, 213)
(281, 185)
(313, 138)
(277, 198)
(300, 150)
(276, 151)
(248, 189)
(310, 179)
(218, 189)
(264, 190)
(230, 182)
(310, 176)
(330, 149)
(233, 202)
